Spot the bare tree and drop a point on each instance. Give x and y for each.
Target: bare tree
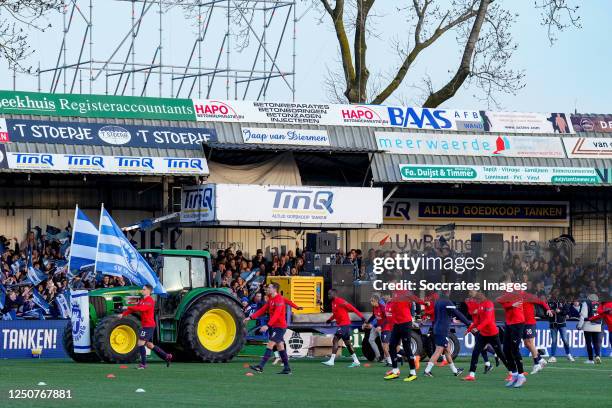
(17, 17)
(483, 29)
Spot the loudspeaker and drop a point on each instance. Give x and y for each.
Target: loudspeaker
(363, 293)
(322, 242)
(315, 262)
(491, 248)
(341, 275)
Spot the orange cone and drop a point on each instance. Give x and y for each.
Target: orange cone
(417, 362)
(249, 374)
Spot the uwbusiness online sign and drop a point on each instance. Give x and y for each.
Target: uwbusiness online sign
(504, 174)
(446, 144)
(95, 106)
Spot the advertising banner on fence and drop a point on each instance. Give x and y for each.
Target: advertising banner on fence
(446, 144)
(517, 122)
(198, 203)
(298, 204)
(296, 137)
(87, 163)
(289, 113)
(588, 147)
(418, 211)
(592, 123)
(4, 136)
(107, 134)
(19, 337)
(504, 174)
(95, 106)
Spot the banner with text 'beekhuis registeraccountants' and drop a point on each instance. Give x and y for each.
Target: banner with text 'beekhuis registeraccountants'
(95, 106)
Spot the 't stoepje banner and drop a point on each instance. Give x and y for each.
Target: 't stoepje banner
(81, 337)
(95, 106)
(107, 134)
(504, 174)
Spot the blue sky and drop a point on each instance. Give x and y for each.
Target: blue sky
(574, 74)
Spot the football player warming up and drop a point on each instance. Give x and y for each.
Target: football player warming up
(276, 306)
(340, 314)
(146, 308)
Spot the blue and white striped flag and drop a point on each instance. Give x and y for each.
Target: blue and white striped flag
(117, 256)
(2, 296)
(84, 243)
(35, 275)
(40, 301)
(63, 304)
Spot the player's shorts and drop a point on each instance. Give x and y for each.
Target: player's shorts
(344, 332)
(277, 335)
(440, 340)
(146, 333)
(385, 336)
(529, 331)
(514, 332)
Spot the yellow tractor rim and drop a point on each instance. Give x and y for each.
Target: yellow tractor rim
(123, 339)
(216, 330)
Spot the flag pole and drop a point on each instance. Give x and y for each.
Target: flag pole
(98, 245)
(76, 211)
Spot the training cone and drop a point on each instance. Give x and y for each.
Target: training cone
(249, 374)
(417, 362)
(245, 365)
(42, 383)
(123, 366)
(366, 365)
(110, 376)
(140, 390)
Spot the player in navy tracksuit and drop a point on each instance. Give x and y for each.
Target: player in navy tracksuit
(444, 311)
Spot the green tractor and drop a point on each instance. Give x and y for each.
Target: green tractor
(195, 322)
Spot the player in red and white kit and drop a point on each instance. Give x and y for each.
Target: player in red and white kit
(484, 328)
(512, 302)
(146, 308)
(340, 314)
(401, 303)
(529, 331)
(276, 306)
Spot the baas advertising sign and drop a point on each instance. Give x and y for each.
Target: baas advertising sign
(447, 144)
(280, 205)
(107, 134)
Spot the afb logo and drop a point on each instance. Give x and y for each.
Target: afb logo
(211, 110)
(304, 200)
(419, 118)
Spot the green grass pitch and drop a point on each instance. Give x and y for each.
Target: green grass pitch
(562, 384)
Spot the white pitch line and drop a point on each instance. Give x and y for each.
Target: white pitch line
(603, 370)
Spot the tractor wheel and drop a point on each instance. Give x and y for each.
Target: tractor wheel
(178, 354)
(115, 339)
(416, 343)
(213, 330)
(69, 347)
